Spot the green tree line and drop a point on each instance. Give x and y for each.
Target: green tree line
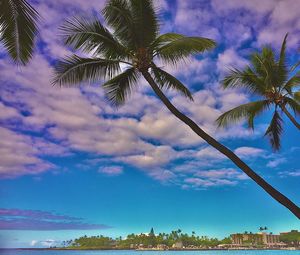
(145, 240)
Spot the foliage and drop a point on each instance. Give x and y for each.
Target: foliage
(292, 237)
(18, 27)
(146, 240)
(274, 83)
(133, 41)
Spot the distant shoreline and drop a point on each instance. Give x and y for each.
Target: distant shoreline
(98, 249)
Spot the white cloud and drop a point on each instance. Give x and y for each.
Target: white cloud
(245, 152)
(230, 59)
(111, 170)
(295, 173)
(276, 162)
(142, 133)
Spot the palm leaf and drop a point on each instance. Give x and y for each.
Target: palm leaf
(18, 22)
(183, 47)
(282, 72)
(74, 70)
(295, 106)
(282, 57)
(246, 79)
(91, 36)
(167, 81)
(295, 66)
(145, 22)
(117, 14)
(265, 66)
(297, 96)
(248, 111)
(274, 131)
(164, 39)
(120, 87)
(293, 82)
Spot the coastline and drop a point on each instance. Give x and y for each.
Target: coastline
(103, 249)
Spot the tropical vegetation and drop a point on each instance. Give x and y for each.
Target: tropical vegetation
(291, 238)
(145, 240)
(274, 86)
(18, 27)
(133, 40)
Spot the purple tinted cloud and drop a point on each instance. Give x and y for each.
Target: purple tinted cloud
(17, 219)
(41, 215)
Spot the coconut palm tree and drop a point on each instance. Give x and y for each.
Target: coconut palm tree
(135, 41)
(274, 83)
(18, 27)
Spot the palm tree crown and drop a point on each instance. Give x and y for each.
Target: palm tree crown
(274, 83)
(18, 27)
(135, 41)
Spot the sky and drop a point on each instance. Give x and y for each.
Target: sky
(72, 165)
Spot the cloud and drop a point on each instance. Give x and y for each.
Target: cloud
(226, 173)
(245, 152)
(276, 162)
(255, 6)
(40, 121)
(111, 170)
(201, 183)
(18, 219)
(284, 19)
(230, 59)
(295, 173)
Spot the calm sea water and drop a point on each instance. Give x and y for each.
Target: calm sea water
(265, 252)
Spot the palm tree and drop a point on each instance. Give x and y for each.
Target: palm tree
(274, 83)
(18, 27)
(135, 41)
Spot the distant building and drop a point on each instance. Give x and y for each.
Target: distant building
(177, 245)
(260, 238)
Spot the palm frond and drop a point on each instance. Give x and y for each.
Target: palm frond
(117, 14)
(183, 47)
(296, 96)
(245, 111)
(293, 104)
(295, 66)
(167, 81)
(282, 73)
(293, 82)
(282, 56)
(120, 87)
(18, 22)
(164, 39)
(265, 66)
(74, 70)
(145, 22)
(274, 131)
(246, 79)
(91, 36)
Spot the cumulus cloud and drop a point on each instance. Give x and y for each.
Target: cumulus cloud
(40, 121)
(246, 152)
(230, 59)
(20, 154)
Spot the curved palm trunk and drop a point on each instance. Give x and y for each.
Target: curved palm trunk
(290, 116)
(223, 149)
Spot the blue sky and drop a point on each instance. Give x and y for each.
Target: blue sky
(72, 165)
